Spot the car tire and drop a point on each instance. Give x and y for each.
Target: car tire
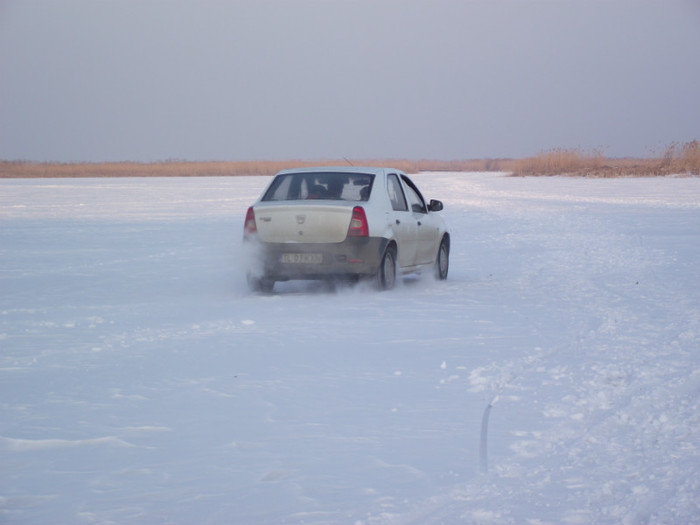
(442, 260)
(386, 276)
(260, 284)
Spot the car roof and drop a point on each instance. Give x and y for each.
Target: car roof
(372, 170)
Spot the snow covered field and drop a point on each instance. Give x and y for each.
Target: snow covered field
(140, 382)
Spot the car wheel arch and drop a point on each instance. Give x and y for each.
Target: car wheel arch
(388, 240)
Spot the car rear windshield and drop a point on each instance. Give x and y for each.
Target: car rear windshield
(320, 185)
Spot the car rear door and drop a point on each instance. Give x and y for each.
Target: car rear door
(402, 222)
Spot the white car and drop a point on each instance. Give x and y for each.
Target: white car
(344, 222)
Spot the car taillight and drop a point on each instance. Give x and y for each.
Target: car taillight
(358, 223)
(249, 227)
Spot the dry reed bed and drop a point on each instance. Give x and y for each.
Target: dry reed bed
(677, 159)
(21, 169)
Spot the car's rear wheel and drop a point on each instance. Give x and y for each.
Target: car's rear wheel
(386, 276)
(260, 284)
(442, 261)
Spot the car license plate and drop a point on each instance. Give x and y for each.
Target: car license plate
(301, 258)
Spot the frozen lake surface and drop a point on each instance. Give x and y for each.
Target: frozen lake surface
(141, 383)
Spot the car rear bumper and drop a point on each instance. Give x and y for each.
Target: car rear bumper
(354, 257)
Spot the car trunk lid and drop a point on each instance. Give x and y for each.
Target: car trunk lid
(303, 224)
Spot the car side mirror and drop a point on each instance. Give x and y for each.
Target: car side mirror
(435, 205)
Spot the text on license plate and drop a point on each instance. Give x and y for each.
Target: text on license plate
(301, 258)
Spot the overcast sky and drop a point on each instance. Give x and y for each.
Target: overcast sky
(141, 80)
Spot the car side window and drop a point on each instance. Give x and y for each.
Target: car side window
(414, 197)
(396, 195)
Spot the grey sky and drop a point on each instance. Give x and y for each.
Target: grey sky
(315, 79)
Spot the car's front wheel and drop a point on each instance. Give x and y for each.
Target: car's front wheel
(386, 276)
(442, 261)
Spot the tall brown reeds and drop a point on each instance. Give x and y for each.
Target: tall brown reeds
(558, 161)
(174, 168)
(682, 158)
(677, 159)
